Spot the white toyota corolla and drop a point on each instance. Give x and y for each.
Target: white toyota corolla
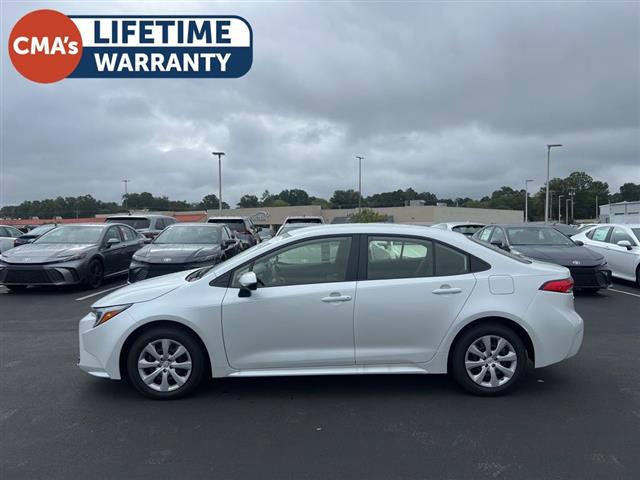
(339, 299)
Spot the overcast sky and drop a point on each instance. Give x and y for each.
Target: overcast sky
(453, 98)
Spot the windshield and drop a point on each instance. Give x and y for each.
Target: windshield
(189, 234)
(42, 229)
(72, 234)
(636, 232)
(536, 236)
(137, 223)
(467, 229)
(303, 220)
(235, 225)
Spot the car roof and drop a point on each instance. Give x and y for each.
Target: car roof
(458, 224)
(229, 217)
(139, 216)
(628, 225)
(521, 225)
(103, 225)
(196, 224)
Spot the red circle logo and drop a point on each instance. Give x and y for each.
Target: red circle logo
(45, 46)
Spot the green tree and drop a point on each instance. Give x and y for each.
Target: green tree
(294, 196)
(248, 201)
(344, 199)
(368, 216)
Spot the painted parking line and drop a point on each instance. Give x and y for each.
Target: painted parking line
(99, 293)
(626, 293)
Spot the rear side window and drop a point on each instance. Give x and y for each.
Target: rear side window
(600, 234)
(396, 257)
(450, 261)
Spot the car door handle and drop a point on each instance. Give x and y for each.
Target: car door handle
(336, 297)
(446, 290)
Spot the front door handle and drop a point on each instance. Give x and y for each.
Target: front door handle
(446, 290)
(336, 297)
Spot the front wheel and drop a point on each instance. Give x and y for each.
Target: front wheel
(489, 360)
(95, 274)
(165, 363)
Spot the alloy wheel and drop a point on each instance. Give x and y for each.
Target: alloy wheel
(164, 365)
(490, 361)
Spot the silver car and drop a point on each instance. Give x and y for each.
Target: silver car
(620, 245)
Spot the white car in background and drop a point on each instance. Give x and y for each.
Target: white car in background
(466, 228)
(339, 299)
(8, 237)
(620, 245)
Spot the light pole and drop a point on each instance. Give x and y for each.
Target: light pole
(546, 203)
(560, 197)
(359, 183)
(526, 200)
(125, 181)
(572, 193)
(566, 211)
(220, 155)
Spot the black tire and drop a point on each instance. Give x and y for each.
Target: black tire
(194, 353)
(95, 274)
(638, 276)
(16, 288)
(459, 370)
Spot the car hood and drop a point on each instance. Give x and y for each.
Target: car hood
(168, 253)
(44, 252)
(570, 256)
(143, 291)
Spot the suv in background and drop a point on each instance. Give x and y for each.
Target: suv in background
(302, 219)
(148, 225)
(242, 227)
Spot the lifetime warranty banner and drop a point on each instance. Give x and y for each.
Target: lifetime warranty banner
(47, 46)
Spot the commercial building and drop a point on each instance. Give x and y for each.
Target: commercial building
(621, 212)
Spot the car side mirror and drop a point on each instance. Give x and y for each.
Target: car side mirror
(625, 243)
(111, 242)
(248, 281)
(579, 243)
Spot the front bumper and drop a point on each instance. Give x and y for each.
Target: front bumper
(64, 273)
(141, 271)
(590, 277)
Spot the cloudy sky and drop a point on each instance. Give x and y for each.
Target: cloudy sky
(453, 98)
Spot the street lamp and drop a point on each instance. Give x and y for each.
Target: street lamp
(526, 200)
(566, 211)
(359, 183)
(220, 155)
(125, 181)
(560, 197)
(546, 203)
(572, 193)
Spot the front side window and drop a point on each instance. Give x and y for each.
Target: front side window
(314, 261)
(450, 261)
(618, 234)
(397, 257)
(112, 233)
(485, 234)
(128, 234)
(498, 236)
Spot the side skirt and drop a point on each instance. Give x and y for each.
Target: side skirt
(350, 370)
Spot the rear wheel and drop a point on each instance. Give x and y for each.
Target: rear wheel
(95, 274)
(638, 276)
(165, 363)
(489, 360)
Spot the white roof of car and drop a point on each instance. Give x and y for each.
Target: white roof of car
(459, 224)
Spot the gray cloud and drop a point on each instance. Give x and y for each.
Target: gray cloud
(457, 99)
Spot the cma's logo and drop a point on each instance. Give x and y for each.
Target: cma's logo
(166, 260)
(576, 262)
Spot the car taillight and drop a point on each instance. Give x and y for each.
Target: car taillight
(561, 286)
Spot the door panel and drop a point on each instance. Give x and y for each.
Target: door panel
(289, 326)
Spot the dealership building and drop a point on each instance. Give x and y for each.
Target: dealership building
(621, 212)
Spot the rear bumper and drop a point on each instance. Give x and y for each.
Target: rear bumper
(70, 273)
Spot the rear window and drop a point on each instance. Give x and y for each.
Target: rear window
(304, 220)
(467, 229)
(235, 225)
(501, 251)
(137, 223)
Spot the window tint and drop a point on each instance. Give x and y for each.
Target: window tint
(467, 229)
(127, 234)
(395, 257)
(160, 224)
(315, 261)
(112, 233)
(485, 234)
(600, 234)
(3, 232)
(620, 234)
(134, 222)
(498, 235)
(450, 261)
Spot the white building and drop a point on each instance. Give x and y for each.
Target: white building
(622, 212)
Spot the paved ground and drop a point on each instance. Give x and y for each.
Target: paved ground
(576, 420)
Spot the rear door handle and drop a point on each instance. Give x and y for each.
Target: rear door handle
(336, 297)
(446, 290)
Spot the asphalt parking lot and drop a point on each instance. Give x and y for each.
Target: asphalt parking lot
(578, 419)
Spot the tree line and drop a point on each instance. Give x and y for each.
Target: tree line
(587, 193)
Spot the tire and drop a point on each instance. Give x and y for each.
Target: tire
(16, 288)
(638, 276)
(495, 378)
(95, 274)
(163, 380)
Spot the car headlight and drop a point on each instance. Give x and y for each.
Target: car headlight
(70, 258)
(104, 314)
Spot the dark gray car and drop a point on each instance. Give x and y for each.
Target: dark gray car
(184, 246)
(544, 243)
(148, 225)
(71, 254)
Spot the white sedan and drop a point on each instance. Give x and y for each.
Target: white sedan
(339, 299)
(620, 245)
